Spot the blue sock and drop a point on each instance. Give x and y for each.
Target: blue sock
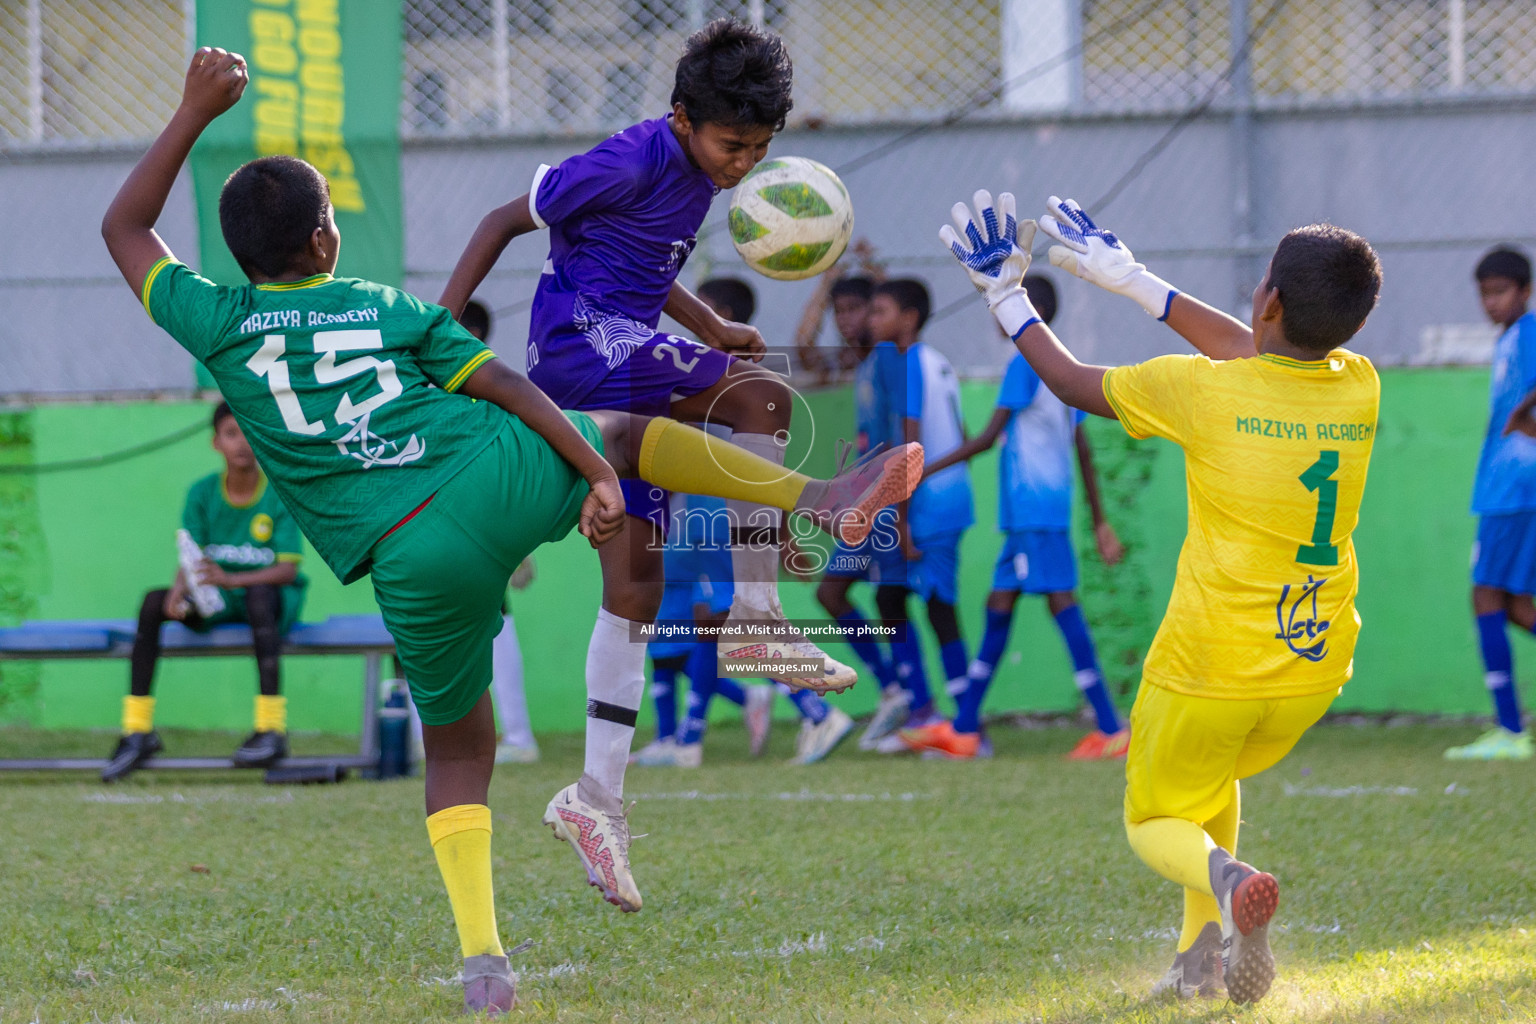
(979, 676)
(702, 662)
(868, 650)
(664, 696)
(704, 682)
(1499, 669)
(910, 673)
(952, 655)
(811, 707)
(1085, 668)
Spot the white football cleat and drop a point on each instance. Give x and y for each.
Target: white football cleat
(1247, 898)
(781, 642)
(596, 825)
(656, 752)
(817, 741)
(890, 715)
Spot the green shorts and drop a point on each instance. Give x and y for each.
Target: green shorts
(292, 598)
(439, 578)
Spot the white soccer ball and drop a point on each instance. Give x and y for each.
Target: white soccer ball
(791, 218)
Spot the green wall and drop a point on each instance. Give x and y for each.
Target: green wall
(88, 543)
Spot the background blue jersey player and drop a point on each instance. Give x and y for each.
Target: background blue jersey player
(1034, 512)
(699, 589)
(880, 553)
(622, 220)
(1504, 498)
(921, 396)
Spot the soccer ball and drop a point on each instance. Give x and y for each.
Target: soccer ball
(790, 218)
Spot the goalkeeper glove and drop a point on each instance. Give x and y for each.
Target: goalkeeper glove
(996, 261)
(1097, 256)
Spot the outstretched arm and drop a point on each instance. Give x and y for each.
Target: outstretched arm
(996, 263)
(485, 247)
(1098, 256)
(972, 446)
(1104, 537)
(602, 513)
(215, 79)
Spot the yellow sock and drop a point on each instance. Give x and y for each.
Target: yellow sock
(138, 714)
(680, 458)
(461, 840)
(1200, 908)
(1178, 850)
(271, 714)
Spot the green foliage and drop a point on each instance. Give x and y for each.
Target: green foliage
(1117, 600)
(22, 559)
(863, 889)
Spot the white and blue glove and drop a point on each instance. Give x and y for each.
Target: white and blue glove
(997, 261)
(1097, 256)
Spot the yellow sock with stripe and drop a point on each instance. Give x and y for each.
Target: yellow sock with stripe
(461, 841)
(1199, 908)
(680, 458)
(271, 714)
(138, 714)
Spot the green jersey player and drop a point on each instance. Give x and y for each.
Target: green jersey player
(251, 553)
(407, 451)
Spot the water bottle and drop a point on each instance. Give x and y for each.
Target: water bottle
(394, 730)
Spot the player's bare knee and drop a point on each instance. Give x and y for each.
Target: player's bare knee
(1487, 600)
(759, 403)
(1059, 601)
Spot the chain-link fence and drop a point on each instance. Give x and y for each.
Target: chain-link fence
(78, 71)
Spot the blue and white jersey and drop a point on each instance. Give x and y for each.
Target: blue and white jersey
(1506, 470)
(931, 395)
(870, 417)
(1035, 472)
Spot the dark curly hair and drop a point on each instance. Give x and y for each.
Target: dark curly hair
(734, 74)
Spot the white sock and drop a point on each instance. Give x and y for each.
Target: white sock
(615, 684)
(756, 567)
(507, 685)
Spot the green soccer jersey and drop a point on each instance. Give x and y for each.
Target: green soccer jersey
(345, 390)
(241, 538)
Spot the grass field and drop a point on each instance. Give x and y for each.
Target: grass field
(859, 889)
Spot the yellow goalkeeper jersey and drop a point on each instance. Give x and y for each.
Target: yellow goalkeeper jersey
(1275, 455)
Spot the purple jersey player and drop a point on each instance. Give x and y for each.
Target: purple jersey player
(622, 220)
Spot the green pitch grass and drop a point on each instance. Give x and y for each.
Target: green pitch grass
(861, 889)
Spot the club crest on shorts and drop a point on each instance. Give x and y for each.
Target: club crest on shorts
(1297, 618)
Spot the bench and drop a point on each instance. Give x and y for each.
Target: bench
(113, 638)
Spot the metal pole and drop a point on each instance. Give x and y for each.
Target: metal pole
(755, 13)
(1243, 220)
(1456, 41)
(501, 54)
(35, 70)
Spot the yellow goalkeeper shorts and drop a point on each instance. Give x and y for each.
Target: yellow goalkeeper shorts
(1186, 751)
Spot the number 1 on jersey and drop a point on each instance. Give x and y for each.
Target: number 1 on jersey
(1319, 478)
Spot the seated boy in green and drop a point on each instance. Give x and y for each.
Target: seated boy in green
(356, 398)
(251, 553)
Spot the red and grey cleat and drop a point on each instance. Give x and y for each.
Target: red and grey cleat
(845, 506)
(1247, 898)
(596, 825)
